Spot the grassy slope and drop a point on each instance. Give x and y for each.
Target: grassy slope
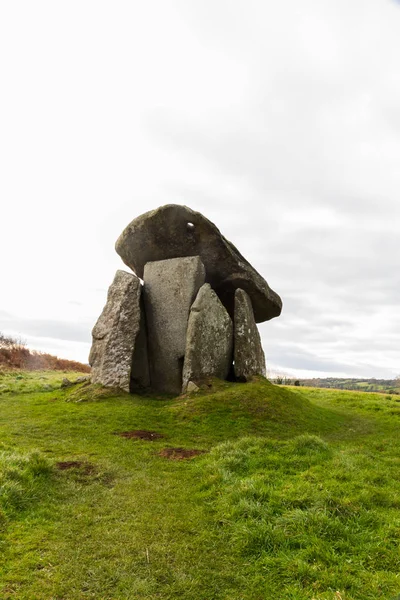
(17, 381)
(271, 511)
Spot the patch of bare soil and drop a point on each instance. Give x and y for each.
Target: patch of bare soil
(141, 434)
(180, 453)
(85, 467)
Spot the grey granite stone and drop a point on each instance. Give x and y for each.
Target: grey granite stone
(115, 335)
(170, 287)
(192, 388)
(249, 359)
(209, 341)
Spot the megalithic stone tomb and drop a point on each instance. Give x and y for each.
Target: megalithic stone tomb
(194, 315)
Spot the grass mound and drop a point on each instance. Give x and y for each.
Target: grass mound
(259, 407)
(307, 516)
(25, 382)
(295, 494)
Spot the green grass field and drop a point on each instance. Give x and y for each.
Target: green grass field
(295, 494)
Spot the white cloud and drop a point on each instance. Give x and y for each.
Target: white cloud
(279, 121)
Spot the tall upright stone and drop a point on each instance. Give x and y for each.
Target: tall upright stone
(209, 342)
(249, 359)
(119, 338)
(170, 287)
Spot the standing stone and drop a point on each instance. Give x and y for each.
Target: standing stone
(170, 287)
(249, 355)
(209, 343)
(115, 335)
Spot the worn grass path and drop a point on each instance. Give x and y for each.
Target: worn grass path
(296, 497)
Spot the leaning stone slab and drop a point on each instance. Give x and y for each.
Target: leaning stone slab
(209, 342)
(173, 231)
(116, 333)
(249, 359)
(170, 287)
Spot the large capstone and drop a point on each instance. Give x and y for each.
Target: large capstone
(209, 342)
(118, 356)
(173, 231)
(170, 287)
(249, 359)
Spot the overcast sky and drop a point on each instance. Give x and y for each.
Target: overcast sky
(279, 121)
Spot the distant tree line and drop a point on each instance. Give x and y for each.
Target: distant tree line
(283, 380)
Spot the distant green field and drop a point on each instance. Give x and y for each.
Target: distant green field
(384, 386)
(294, 493)
(17, 381)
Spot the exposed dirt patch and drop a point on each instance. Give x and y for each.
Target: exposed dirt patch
(141, 434)
(84, 467)
(68, 464)
(180, 453)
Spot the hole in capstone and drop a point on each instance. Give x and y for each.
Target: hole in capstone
(190, 227)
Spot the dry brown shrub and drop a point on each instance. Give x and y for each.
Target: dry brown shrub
(15, 355)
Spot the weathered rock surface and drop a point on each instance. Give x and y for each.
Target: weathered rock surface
(192, 388)
(170, 287)
(209, 342)
(173, 231)
(83, 379)
(115, 335)
(249, 359)
(68, 383)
